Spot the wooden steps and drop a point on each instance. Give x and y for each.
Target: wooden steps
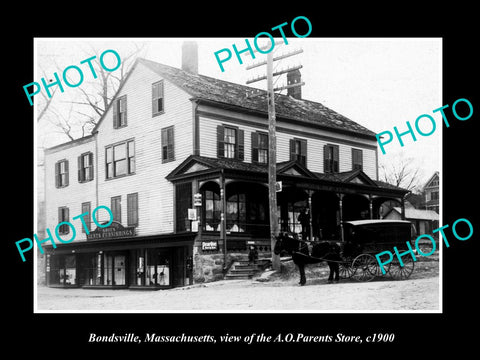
(242, 269)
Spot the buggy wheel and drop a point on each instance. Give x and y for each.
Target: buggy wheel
(366, 267)
(346, 270)
(398, 272)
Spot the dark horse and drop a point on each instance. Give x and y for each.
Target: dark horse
(298, 249)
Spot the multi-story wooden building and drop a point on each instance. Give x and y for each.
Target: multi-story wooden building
(170, 136)
(432, 192)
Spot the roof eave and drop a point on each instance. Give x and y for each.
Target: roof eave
(221, 105)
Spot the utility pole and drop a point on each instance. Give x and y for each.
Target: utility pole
(272, 141)
(272, 162)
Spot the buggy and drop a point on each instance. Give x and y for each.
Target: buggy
(363, 239)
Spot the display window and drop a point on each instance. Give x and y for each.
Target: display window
(62, 270)
(107, 268)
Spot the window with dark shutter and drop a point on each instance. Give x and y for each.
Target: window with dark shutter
(298, 151)
(88, 223)
(120, 112)
(157, 98)
(259, 148)
(330, 158)
(85, 167)
(63, 216)
(220, 141)
(240, 150)
(116, 207)
(230, 142)
(357, 159)
(254, 147)
(132, 209)
(61, 173)
(168, 144)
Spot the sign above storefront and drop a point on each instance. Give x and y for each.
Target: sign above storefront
(114, 231)
(209, 245)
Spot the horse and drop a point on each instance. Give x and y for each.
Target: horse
(298, 249)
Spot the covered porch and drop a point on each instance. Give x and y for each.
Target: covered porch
(234, 208)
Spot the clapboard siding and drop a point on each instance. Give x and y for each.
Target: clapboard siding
(211, 118)
(155, 193)
(71, 196)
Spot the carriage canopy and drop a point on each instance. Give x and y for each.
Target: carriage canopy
(376, 235)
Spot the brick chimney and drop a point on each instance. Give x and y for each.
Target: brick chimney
(190, 57)
(294, 77)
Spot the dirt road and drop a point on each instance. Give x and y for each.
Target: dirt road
(280, 294)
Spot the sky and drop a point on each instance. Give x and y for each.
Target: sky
(377, 82)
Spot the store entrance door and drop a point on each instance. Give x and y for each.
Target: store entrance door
(119, 269)
(114, 269)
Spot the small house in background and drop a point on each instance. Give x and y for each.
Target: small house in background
(425, 221)
(432, 191)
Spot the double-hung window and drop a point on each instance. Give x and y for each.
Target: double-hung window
(116, 208)
(132, 209)
(168, 146)
(86, 207)
(330, 158)
(259, 148)
(61, 173)
(120, 159)
(230, 142)
(157, 98)
(357, 159)
(120, 112)
(298, 151)
(85, 167)
(63, 216)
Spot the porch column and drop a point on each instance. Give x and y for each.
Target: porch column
(198, 209)
(403, 208)
(310, 193)
(340, 203)
(223, 224)
(370, 206)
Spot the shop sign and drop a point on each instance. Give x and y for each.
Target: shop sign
(192, 214)
(194, 226)
(278, 186)
(114, 231)
(209, 245)
(197, 199)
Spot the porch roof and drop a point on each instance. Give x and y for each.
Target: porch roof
(195, 166)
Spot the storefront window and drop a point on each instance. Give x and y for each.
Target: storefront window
(107, 269)
(140, 267)
(294, 210)
(62, 270)
(212, 211)
(236, 213)
(157, 267)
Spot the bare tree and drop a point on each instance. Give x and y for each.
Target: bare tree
(44, 104)
(101, 92)
(92, 98)
(402, 172)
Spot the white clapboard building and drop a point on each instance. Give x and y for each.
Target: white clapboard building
(174, 154)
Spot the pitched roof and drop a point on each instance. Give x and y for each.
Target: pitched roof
(435, 175)
(188, 167)
(231, 94)
(412, 213)
(232, 164)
